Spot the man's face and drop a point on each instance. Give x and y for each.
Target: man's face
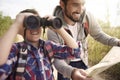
(33, 35)
(73, 9)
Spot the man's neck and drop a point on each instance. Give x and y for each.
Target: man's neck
(68, 21)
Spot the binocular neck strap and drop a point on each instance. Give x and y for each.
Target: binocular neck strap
(24, 36)
(43, 31)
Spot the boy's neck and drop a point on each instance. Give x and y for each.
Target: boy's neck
(35, 44)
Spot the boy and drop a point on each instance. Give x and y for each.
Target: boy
(34, 53)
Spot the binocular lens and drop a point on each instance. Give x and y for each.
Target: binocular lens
(57, 23)
(32, 22)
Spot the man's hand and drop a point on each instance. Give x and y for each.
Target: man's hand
(80, 74)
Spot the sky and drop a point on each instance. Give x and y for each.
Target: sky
(13, 7)
(98, 8)
(102, 8)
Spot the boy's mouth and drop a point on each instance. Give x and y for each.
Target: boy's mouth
(34, 32)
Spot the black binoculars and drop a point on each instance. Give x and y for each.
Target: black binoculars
(34, 22)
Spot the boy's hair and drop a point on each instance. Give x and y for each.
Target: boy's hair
(29, 11)
(33, 11)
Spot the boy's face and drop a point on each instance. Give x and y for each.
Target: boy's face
(33, 35)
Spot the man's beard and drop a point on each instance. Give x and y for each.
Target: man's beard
(71, 18)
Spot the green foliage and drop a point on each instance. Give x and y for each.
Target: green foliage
(113, 72)
(104, 24)
(5, 22)
(98, 50)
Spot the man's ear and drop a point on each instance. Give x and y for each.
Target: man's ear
(62, 4)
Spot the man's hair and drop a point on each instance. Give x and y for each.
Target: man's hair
(29, 11)
(65, 1)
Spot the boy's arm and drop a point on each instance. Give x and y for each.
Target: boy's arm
(6, 43)
(7, 39)
(63, 68)
(67, 38)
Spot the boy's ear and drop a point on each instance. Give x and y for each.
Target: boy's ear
(62, 4)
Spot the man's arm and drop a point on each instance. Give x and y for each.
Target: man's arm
(63, 68)
(98, 34)
(70, 72)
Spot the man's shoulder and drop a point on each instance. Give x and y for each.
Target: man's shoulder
(89, 16)
(88, 13)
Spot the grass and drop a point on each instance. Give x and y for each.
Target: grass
(97, 51)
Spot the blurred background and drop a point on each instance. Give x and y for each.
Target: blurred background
(107, 13)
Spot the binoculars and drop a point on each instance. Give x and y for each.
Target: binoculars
(34, 22)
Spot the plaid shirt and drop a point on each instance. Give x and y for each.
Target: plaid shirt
(38, 66)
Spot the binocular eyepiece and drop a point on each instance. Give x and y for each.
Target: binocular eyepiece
(34, 22)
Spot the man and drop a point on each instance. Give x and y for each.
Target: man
(30, 59)
(79, 22)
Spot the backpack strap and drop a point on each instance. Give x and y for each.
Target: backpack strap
(86, 28)
(21, 62)
(57, 10)
(85, 22)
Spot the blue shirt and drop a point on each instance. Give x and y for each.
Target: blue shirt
(38, 66)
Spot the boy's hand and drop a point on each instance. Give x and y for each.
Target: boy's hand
(19, 21)
(56, 22)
